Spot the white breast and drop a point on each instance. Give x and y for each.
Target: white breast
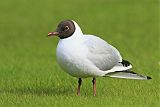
(69, 57)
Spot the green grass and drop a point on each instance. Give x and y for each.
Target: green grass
(30, 76)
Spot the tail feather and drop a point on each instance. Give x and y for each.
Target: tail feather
(127, 74)
(122, 70)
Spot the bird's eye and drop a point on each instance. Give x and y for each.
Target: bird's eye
(66, 28)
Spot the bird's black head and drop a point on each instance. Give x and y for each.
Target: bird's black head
(64, 29)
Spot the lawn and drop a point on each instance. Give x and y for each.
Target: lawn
(30, 75)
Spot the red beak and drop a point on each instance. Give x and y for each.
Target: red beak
(53, 34)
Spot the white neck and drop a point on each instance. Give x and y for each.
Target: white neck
(78, 30)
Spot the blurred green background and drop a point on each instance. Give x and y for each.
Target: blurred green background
(30, 76)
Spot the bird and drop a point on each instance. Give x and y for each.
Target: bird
(84, 55)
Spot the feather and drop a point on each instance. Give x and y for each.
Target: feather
(101, 54)
(127, 74)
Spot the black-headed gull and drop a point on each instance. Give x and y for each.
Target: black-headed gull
(83, 56)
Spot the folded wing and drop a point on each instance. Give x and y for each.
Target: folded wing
(101, 54)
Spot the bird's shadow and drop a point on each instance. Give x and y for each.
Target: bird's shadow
(49, 91)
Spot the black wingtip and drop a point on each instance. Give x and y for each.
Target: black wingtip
(149, 78)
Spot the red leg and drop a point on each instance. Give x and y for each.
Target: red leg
(79, 86)
(94, 86)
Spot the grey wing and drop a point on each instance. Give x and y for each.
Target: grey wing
(101, 54)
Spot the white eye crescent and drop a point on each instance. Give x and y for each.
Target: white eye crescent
(66, 28)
